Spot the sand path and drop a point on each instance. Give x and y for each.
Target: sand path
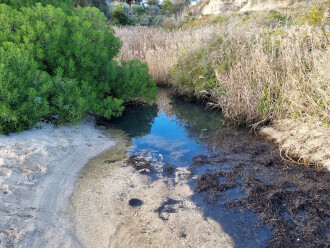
(38, 169)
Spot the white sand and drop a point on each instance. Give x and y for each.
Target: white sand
(38, 169)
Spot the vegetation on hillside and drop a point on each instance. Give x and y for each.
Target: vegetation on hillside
(60, 61)
(17, 4)
(257, 67)
(154, 14)
(122, 14)
(100, 4)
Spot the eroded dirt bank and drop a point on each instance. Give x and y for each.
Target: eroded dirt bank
(306, 143)
(38, 169)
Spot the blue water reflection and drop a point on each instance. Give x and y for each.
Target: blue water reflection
(171, 133)
(168, 141)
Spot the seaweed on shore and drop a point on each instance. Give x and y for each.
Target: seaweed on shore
(293, 200)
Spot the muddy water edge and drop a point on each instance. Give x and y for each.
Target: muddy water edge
(178, 178)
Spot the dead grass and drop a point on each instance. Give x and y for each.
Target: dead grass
(159, 48)
(275, 75)
(262, 72)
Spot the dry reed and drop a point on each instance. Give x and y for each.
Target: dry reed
(276, 76)
(276, 72)
(160, 49)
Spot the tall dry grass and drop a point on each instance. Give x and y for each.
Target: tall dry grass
(277, 75)
(159, 48)
(262, 72)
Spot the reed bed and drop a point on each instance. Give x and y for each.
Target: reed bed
(159, 48)
(276, 74)
(254, 72)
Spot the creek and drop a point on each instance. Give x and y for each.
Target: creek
(179, 178)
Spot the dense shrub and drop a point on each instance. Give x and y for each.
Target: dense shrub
(194, 72)
(154, 10)
(276, 16)
(68, 99)
(71, 54)
(130, 13)
(28, 94)
(27, 3)
(23, 89)
(123, 15)
(118, 16)
(133, 82)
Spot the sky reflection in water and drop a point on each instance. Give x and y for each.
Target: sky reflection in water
(172, 133)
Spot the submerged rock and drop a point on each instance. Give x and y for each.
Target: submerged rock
(134, 202)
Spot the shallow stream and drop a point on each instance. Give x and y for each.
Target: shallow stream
(178, 178)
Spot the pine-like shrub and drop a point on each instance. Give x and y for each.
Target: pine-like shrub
(71, 54)
(23, 90)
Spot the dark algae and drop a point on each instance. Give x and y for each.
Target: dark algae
(168, 207)
(292, 200)
(238, 179)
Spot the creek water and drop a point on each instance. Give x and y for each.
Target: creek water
(169, 204)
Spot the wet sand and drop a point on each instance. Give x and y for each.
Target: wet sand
(161, 213)
(129, 201)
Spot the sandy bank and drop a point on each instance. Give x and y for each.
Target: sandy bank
(308, 141)
(38, 169)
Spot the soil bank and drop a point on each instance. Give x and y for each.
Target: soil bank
(307, 143)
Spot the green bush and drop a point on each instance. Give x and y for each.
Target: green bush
(276, 16)
(28, 94)
(134, 82)
(27, 3)
(140, 10)
(67, 56)
(23, 90)
(136, 15)
(194, 72)
(68, 100)
(167, 8)
(118, 16)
